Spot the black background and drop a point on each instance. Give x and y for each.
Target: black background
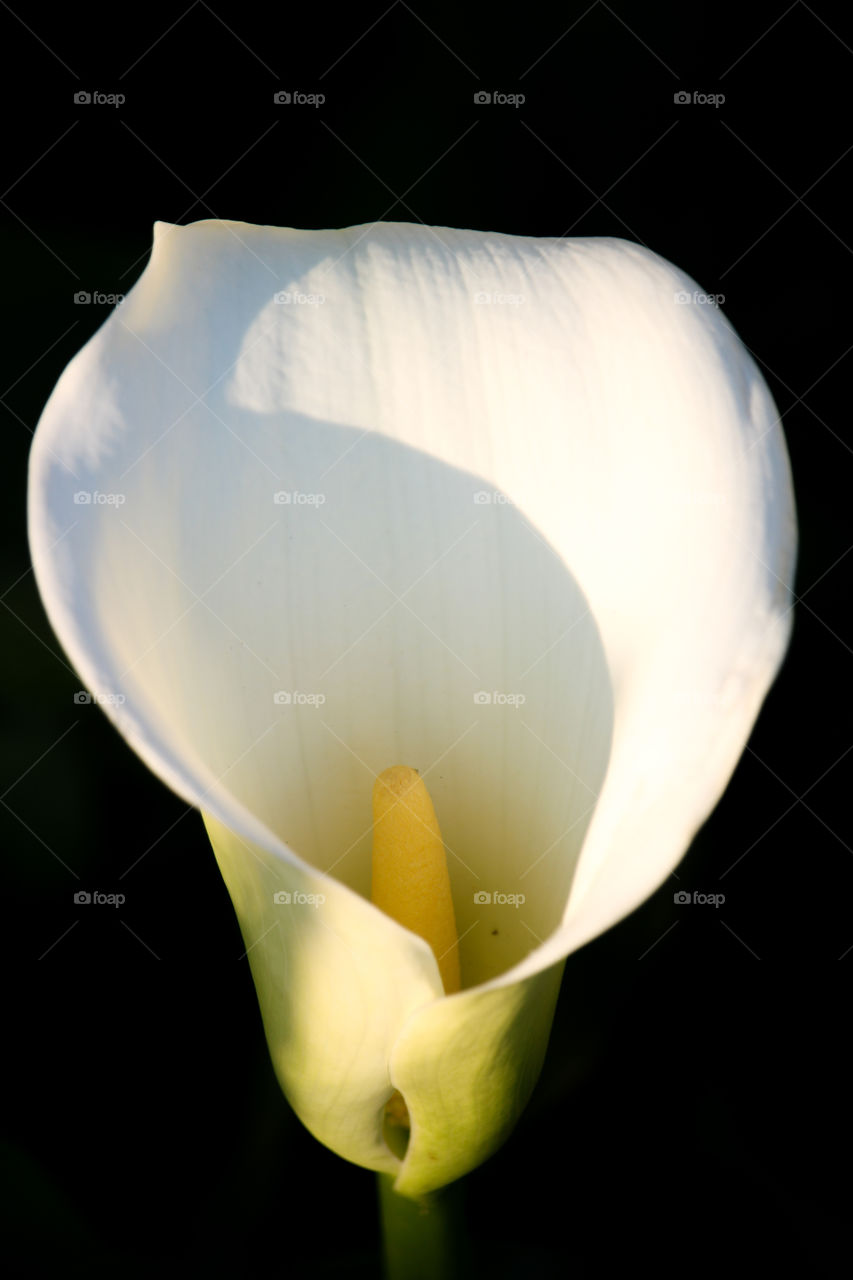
(695, 1104)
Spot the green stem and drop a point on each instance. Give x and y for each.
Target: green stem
(422, 1239)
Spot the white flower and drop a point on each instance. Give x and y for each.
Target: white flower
(540, 550)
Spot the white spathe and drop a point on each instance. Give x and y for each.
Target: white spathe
(508, 510)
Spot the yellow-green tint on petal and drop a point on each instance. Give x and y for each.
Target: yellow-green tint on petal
(466, 1068)
(410, 881)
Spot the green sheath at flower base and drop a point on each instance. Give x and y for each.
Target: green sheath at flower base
(465, 1064)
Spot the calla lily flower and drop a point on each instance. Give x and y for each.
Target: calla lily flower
(514, 512)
